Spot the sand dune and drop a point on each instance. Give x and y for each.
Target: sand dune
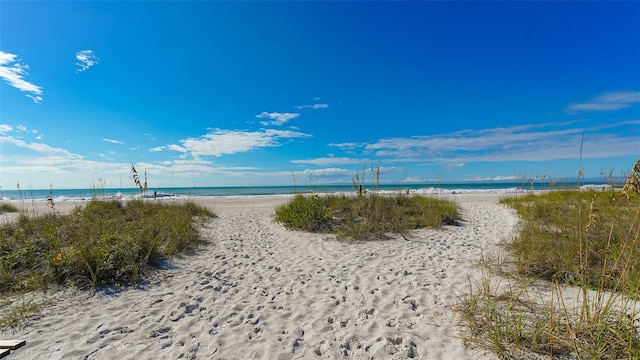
(259, 291)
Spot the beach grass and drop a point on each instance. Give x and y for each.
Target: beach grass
(582, 250)
(579, 237)
(103, 243)
(8, 208)
(366, 217)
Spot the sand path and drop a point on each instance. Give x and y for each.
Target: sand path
(259, 291)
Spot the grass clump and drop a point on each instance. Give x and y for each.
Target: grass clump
(366, 217)
(8, 208)
(104, 243)
(579, 237)
(581, 249)
(515, 321)
(16, 313)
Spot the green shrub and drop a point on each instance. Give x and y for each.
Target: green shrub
(305, 213)
(365, 217)
(106, 242)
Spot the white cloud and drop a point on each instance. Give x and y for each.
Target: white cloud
(607, 102)
(415, 179)
(314, 106)
(454, 165)
(21, 128)
(14, 72)
(324, 161)
(495, 178)
(327, 172)
(176, 148)
(224, 142)
(112, 141)
(157, 149)
(276, 118)
(43, 165)
(347, 145)
(86, 59)
(46, 165)
(5, 128)
(40, 148)
(342, 175)
(541, 142)
(188, 169)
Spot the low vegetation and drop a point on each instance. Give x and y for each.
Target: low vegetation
(8, 208)
(104, 243)
(589, 237)
(583, 243)
(366, 217)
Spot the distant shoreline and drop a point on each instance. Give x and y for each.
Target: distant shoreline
(60, 195)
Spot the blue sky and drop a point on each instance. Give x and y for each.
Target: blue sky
(254, 93)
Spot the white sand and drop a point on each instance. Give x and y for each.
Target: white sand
(259, 291)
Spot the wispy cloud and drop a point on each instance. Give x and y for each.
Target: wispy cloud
(326, 172)
(415, 179)
(347, 145)
(276, 118)
(177, 148)
(113, 141)
(314, 106)
(13, 73)
(5, 128)
(331, 160)
(494, 178)
(340, 175)
(225, 142)
(607, 102)
(86, 59)
(172, 147)
(540, 142)
(40, 148)
(47, 165)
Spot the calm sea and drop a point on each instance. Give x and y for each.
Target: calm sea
(192, 192)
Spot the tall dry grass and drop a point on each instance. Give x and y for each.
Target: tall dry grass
(573, 285)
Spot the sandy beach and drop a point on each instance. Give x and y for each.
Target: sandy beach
(260, 291)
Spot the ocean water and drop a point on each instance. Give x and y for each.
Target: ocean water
(193, 192)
